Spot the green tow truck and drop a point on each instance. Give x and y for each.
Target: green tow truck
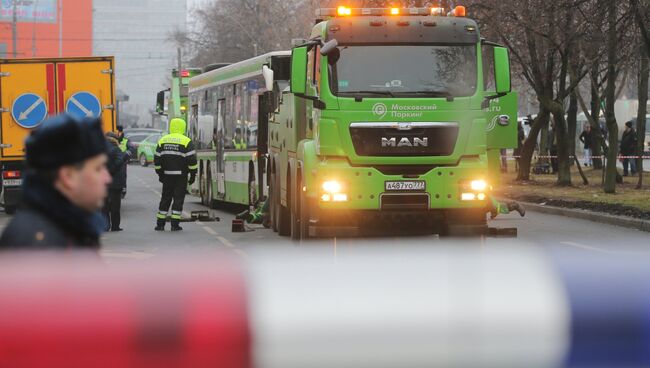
(393, 117)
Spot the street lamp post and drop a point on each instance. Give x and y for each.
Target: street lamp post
(60, 28)
(14, 23)
(14, 33)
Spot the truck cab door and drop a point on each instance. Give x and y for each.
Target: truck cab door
(501, 113)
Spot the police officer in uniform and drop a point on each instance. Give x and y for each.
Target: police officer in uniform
(238, 141)
(125, 147)
(123, 141)
(64, 188)
(175, 158)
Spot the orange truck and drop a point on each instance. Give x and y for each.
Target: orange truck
(32, 90)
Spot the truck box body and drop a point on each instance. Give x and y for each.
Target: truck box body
(33, 89)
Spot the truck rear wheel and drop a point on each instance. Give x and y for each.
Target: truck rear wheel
(282, 215)
(10, 210)
(273, 199)
(294, 207)
(303, 208)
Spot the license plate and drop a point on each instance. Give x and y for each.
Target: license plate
(413, 185)
(12, 182)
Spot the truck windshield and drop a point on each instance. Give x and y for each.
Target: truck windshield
(406, 71)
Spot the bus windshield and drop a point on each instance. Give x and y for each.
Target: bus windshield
(406, 71)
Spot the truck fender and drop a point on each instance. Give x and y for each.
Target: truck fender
(309, 160)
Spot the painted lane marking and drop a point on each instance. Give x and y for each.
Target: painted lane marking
(600, 250)
(129, 255)
(210, 231)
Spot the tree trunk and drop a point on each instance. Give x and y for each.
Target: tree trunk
(610, 99)
(562, 139)
(572, 123)
(595, 122)
(644, 73)
(528, 147)
(543, 143)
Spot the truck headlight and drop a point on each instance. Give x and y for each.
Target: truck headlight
(333, 192)
(478, 185)
(332, 187)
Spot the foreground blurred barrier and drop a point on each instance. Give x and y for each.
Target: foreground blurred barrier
(365, 307)
(72, 311)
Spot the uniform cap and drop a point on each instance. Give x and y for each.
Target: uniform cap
(64, 140)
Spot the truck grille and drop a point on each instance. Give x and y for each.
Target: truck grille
(404, 201)
(404, 139)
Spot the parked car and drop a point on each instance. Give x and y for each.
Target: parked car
(136, 136)
(147, 148)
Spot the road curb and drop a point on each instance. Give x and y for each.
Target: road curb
(604, 218)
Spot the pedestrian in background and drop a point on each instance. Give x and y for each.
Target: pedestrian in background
(64, 187)
(521, 137)
(125, 147)
(238, 141)
(628, 149)
(586, 137)
(117, 161)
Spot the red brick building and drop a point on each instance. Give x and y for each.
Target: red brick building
(38, 28)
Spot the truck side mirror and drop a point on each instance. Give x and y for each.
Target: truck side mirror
(268, 75)
(299, 70)
(502, 70)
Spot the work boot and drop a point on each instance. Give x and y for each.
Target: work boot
(160, 225)
(514, 206)
(176, 226)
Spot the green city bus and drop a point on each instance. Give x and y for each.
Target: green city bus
(228, 121)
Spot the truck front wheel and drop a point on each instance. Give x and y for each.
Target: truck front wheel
(464, 223)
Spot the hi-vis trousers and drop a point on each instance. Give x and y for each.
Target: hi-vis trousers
(173, 194)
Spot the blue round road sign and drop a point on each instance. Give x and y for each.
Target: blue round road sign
(29, 110)
(83, 105)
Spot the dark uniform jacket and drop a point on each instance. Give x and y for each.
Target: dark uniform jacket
(116, 164)
(175, 154)
(48, 220)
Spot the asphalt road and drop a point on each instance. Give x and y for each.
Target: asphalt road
(140, 242)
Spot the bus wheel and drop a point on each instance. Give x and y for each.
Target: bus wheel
(252, 190)
(208, 188)
(202, 185)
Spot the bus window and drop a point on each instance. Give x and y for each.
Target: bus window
(193, 124)
(220, 134)
(229, 120)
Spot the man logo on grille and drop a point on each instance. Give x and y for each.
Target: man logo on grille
(380, 110)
